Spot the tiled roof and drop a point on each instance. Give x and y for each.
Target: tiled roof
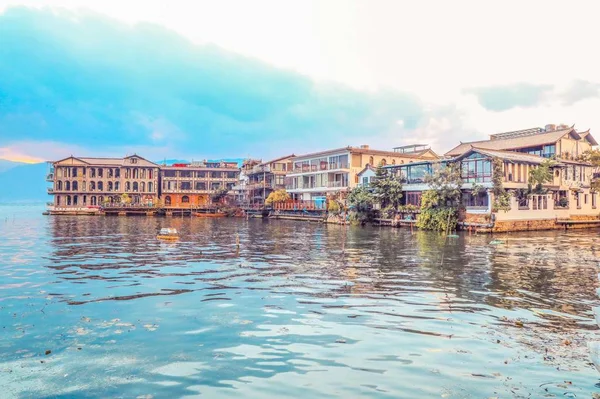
(509, 155)
(515, 142)
(370, 151)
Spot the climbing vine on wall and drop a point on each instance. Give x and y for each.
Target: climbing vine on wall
(501, 196)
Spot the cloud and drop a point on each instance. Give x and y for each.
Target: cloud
(579, 90)
(505, 97)
(89, 81)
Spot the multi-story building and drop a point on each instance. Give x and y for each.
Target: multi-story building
(89, 182)
(567, 195)
(317, 175)
(191, 185)
(266, 177)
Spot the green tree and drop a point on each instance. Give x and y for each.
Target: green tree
(446, 184)
(361, 199)
(439, 204)
(277, 196)
(386, 188)
(541, 175)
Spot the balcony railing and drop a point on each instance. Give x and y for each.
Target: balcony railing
(50, 190)
(331, 184)
(50, 177)
(321, 167)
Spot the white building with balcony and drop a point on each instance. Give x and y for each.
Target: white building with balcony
(324, 173)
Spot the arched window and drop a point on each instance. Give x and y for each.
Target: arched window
(74, 200)
(68, 186)
(59, 185)
(93, 200)
(74, 186)
(117, 185)
(100, 186)
(127, 186)
(110, 186)
(150, 187)
(136, 173)
(100, 172)
(58, 200)
(393, 162)
(383, 162)
(83, 186)
(92, 186)
(371, 161)
(185, 199)
(85, 200)
(135, 186)
(167, 200)
(68, 200)
(143, 187)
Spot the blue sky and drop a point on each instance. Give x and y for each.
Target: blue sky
(167, 80)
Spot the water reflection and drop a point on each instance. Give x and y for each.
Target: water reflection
(296, 309)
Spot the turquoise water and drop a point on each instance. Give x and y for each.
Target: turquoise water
(299, 310)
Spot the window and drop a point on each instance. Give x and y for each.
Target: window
(167, 200)
(215, 175)
(74, 186)
(110, 186)
(143, 187)
(585, 199)
(413, 199)
(185, 173)
(185, 185)
(479, 200)
(185, 199)
(578, 200)
(593, 200)
(92, 186)
(100, 186)
(476, 169)
(68, 185)
(200, 185)
(365, 181)
(169, 173)
(371, 161)
(117, 186)
(150, 186)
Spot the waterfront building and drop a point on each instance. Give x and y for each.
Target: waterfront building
(82, 183)
(317, 175)
(568, 196)
(266, 177)
(366, 176)
(192, 185)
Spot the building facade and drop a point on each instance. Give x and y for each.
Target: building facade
(266, 177)
(318, 175)
(568, 195)
(92, 182)
(193, 185)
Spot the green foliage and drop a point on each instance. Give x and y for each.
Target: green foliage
(439, 205)
(445, 185)
(277, 196)
(541, 175)
(361, 199)
(591, 156)
(386, 188)
(501, 196)
(408, 208)
(333, 207)
(438, 219)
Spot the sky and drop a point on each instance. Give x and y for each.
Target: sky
(272, 77)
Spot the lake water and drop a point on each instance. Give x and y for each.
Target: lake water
(298, 311)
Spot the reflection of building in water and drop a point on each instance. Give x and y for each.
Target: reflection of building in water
(553, 266)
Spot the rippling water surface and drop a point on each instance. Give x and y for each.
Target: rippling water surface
(299, 310)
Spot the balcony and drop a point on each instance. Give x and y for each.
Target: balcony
(331, 184)
(322, 167)
(50, 177)
(50, 190)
